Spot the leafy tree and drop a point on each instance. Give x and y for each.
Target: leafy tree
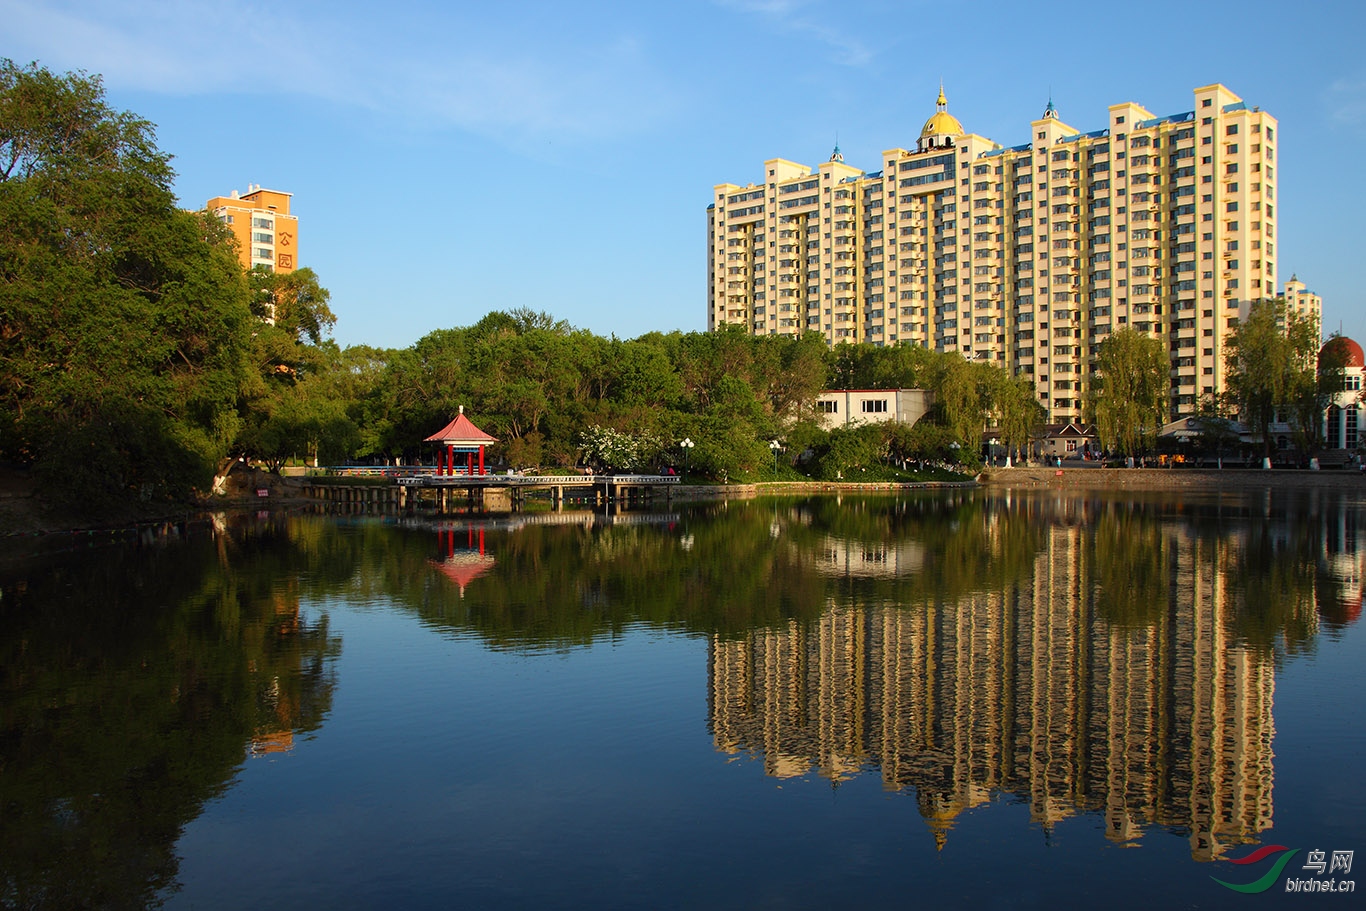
(294, 302)
(1270, 365)
(124, 320)
(1312, 405)
(1128, 400)
(1018, 413)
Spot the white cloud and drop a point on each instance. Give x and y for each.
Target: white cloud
(484, 80)
(1346, 100)
(803, 17)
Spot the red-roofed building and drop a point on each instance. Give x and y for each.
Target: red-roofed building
(1342, 422)
(460, 435)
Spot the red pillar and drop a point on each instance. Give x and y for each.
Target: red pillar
(450, 459)
(469, 463)
(481, 459)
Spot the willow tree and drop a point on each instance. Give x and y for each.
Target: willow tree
(1018, 413)
(1269, 364)
(1128, 400)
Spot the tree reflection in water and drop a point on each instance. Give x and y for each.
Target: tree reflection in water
(1082, 654)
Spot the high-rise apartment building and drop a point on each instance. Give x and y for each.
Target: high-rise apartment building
(1028, 256)
(267, 235)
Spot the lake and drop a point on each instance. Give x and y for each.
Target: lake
(977, 698)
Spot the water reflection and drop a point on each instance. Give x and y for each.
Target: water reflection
(1082, 655)
(1104, 656)
(133, 682)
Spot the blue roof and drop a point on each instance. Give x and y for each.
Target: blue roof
(1170, 118)
(1019, 148)
(1240, 106)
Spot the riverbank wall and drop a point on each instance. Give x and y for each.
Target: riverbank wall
(1158, 479)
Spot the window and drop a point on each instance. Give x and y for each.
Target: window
(828, 407)
(260, 238)
(874, 406)
(258, 222)
(1231, 130)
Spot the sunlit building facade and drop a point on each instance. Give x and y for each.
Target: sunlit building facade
(267, 235)
(1027, 256)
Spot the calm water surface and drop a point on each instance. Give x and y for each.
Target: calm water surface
(968, 700)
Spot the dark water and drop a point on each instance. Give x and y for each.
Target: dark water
(968, 700)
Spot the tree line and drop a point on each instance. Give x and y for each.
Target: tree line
(1274, 373)
(138, 358)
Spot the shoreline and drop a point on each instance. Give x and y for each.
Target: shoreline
(22, 515)
(1166, 479)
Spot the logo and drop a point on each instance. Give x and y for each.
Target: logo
(1266, 880)
(1317, 863)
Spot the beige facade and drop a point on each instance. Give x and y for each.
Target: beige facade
(267, 235)
(1028, 256)
(846, 407)
(1299, 299)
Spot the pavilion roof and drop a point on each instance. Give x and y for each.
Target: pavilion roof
(461, 432)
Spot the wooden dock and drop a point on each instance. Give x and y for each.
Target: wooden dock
(604, 488)
(409, 487)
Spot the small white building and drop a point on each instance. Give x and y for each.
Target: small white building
(847, 407)
(1342, 422)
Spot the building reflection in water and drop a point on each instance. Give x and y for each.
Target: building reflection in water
(1036, 688)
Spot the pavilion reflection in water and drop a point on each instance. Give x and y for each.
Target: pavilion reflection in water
(1025, 691)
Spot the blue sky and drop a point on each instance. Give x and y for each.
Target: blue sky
(447, 159)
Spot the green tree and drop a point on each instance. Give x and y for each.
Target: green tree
(1270, 365)
(294, 302)
(1129, 393)
(124, 321)
(1018, 413)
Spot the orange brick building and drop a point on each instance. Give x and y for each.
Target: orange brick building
(267, 235)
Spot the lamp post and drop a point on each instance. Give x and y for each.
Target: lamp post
(685, 446)
(775, 446)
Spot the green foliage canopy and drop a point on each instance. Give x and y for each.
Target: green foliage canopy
(124, 320)
(1129, 393)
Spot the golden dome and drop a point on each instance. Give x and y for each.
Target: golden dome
(942, 123)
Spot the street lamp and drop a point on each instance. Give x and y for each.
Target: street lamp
(685, 446)
(775, 446)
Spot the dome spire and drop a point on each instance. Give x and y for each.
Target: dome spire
(1050, 112)
(942, 128)
(837, 155)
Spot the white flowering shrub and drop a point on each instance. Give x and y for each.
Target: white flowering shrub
(606, 447)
